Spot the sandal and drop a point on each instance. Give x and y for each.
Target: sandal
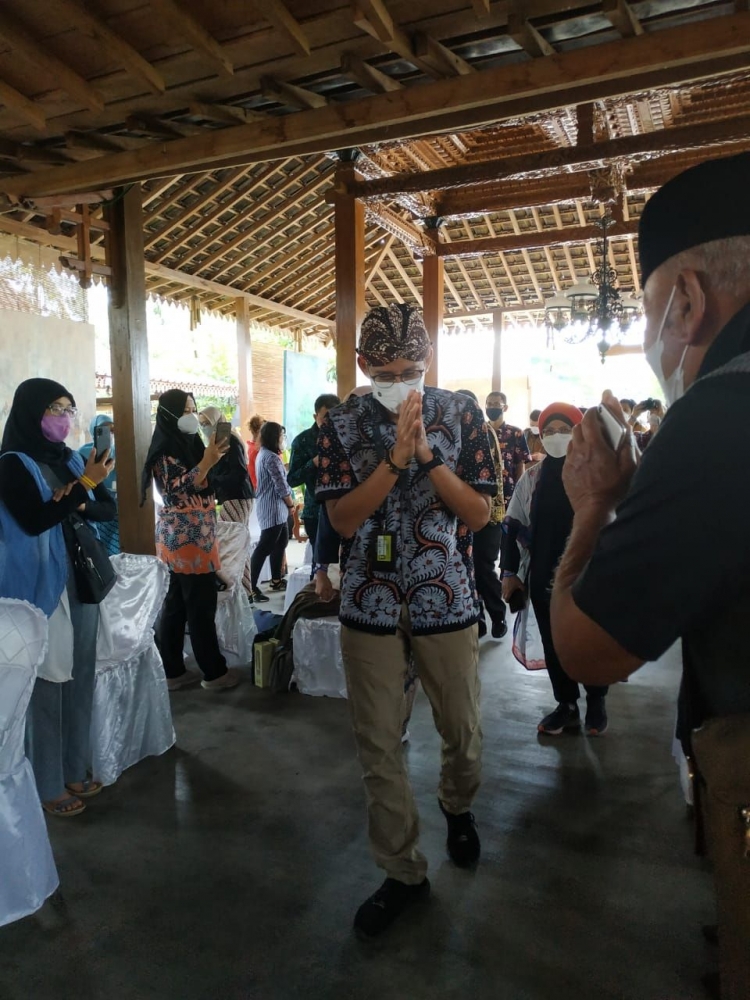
(278, 585)
(89, 790)
(59, 808)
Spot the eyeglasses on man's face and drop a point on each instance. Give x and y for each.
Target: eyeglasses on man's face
(410, 377)
(58, 410)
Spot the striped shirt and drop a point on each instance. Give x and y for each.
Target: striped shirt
(271, 490)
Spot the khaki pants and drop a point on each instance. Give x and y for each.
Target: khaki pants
(376, 668)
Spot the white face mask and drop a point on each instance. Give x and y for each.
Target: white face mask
(392, 396)
(556, 445)
(674, 386)
(534, 430)
(189, 423)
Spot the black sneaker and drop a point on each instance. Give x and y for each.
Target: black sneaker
(596, 717)
(499, 629)
(564, 717)
(463, 840)
(378, 912)
(259, 597)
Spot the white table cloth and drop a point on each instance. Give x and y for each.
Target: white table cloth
(298, 579)
(235, 623)
(131, 717)
(27, 869)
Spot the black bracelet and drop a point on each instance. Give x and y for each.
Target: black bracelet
(395, 469)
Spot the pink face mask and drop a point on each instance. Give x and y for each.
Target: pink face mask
(56, 428)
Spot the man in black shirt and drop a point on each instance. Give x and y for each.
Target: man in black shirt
(631, 581)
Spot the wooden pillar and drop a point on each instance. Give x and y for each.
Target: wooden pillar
(433, 299)
(497, 328)
(350, 279)
(244, 362)
(128, 340)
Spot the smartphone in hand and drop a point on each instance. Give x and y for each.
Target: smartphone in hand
(223, 431)
(614, 431)
(102, 440)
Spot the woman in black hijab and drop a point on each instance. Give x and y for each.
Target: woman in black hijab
(179, 464)
(538, 524)
(43, 482)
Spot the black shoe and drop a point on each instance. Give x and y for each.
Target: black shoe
(463, 840)
(259, 597)
(564, 717)
(499, 629)
(596, 717)
(378, 912)
(482, 628)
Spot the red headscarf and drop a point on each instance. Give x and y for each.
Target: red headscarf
(560, 411)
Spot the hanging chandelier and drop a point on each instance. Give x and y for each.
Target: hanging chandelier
(593, 308)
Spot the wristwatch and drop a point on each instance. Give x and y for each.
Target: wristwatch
(435, 461)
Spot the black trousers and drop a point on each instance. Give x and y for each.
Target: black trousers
(271, 544)
(486, 553)
(565, 689)
(311, 529)
(191, 599)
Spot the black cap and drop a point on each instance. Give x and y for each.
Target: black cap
(710, 201)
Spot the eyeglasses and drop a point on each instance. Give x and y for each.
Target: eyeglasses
(549, 434)
(58, 410)
(411, 377)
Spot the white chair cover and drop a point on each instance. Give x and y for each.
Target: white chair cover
(318, 665)
(298, 579)
(235, 623)
(27, 869)
(131, 717)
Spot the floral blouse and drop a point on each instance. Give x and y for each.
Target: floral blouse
(186, 530)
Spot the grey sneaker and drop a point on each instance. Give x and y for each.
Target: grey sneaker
(188, 679)
(228, 680)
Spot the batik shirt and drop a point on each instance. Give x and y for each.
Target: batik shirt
(434, 572)
(515, 450)
(186, 530)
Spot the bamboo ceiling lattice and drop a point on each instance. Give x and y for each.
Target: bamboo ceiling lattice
(231, 114)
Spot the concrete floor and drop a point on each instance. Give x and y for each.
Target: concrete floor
(230, 868)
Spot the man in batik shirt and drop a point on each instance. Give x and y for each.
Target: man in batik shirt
(515, 450)
(406, 474)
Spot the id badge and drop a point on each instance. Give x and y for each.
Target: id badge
(383, 555)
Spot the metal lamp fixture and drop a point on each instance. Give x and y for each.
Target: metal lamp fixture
(594, 308)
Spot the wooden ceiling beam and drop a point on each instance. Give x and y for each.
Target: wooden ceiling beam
(372, 16)
(196, 209)
(88, 22)
(367, 76)
(281, 266)
(228, 227)
(405, 276)
(158, 189)
(279, 15)
(152, 125)
(227, 114)
(262, 178)
(180, 191)
(263, 223)
(481, 7)
(677, 137)
(193, 32)
(443, 61)
(23, 108)
(621, 16)
(93, 141)
(532, 240)
(22, 41)
(381, 255)
(665, 57)
(524, 34)
(290, 94)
